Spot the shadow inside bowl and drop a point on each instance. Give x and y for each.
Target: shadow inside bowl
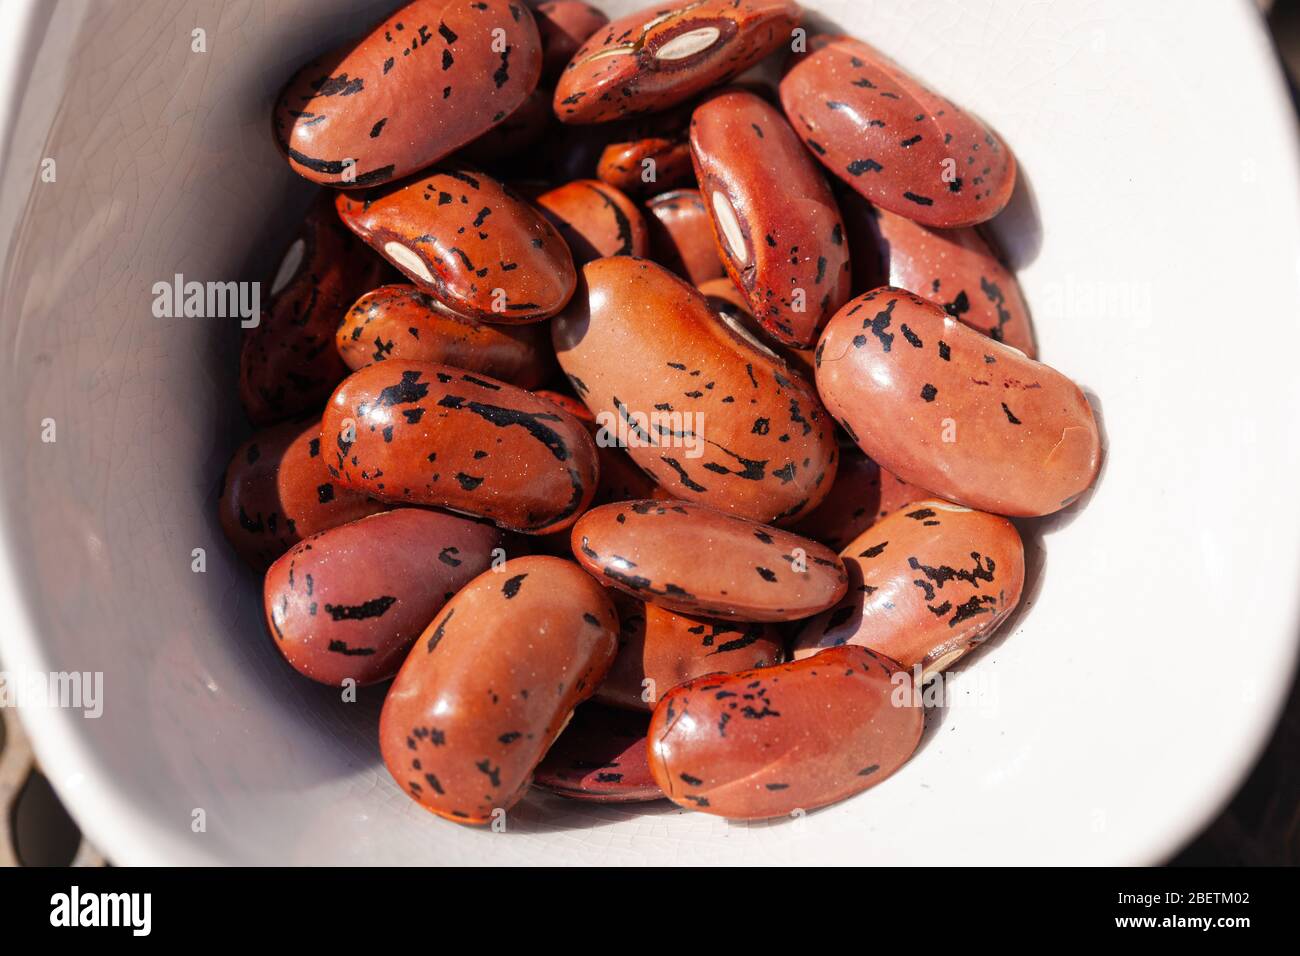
(937, 696)
(1050, 524)
(544, 812)
(1017, 231)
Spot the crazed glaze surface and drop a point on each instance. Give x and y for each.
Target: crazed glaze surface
(681, 238)
(348, 602)
(469, 242)
(402, 323)
(601, 758)
(659, 56)
(954, 268)
(776, 224)
(926, 584)
(951, 410)
(667, 648)
(863, 493)
(277, 490)
(899, 144)
(435, 435)
(595, 219)
(695, 560)
(766, 449)
(490, 684)
(768, 742)
(421, 85)
(285, 367)
(563, 25)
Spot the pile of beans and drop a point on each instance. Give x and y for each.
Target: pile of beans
(647, 429)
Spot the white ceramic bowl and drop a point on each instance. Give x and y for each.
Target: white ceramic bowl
(1156, 238)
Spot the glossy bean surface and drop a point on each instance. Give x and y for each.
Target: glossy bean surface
(695, 560)
(778, 229)
(278, 490)
(285, 366)
(432, 434)
(564, 25)
(426, 81)
(863, 493)
(769, 742)
(491, 683)
(951, 410)
(639, 166)
(926, 584)
(899, 144)
(710, 413)
(469, 242)
(659, 56)
(659, 649)
(399, 322)
(600, 758)
(957, 269)
(731, 303)
(596, 220)
(620, 478)
(643, 154)
(681, 238)
(348, 603)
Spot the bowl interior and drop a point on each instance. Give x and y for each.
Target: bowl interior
(1102, 725)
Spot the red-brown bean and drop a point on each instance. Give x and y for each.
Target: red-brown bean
(490, 684)
(659, 649)
(432, 434)
(681, 238)
(957, 269)
(949, 409)
(777, 740)
(401, 323)
(348, 603)
(778, 229)
(735, 428)
(600, 758)
(899, 144)
(469, 242)
(285, 366)
(426, 81)
(656, 57)
(695, 560)
(277, 490)
(595, 219)
(926, 584)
